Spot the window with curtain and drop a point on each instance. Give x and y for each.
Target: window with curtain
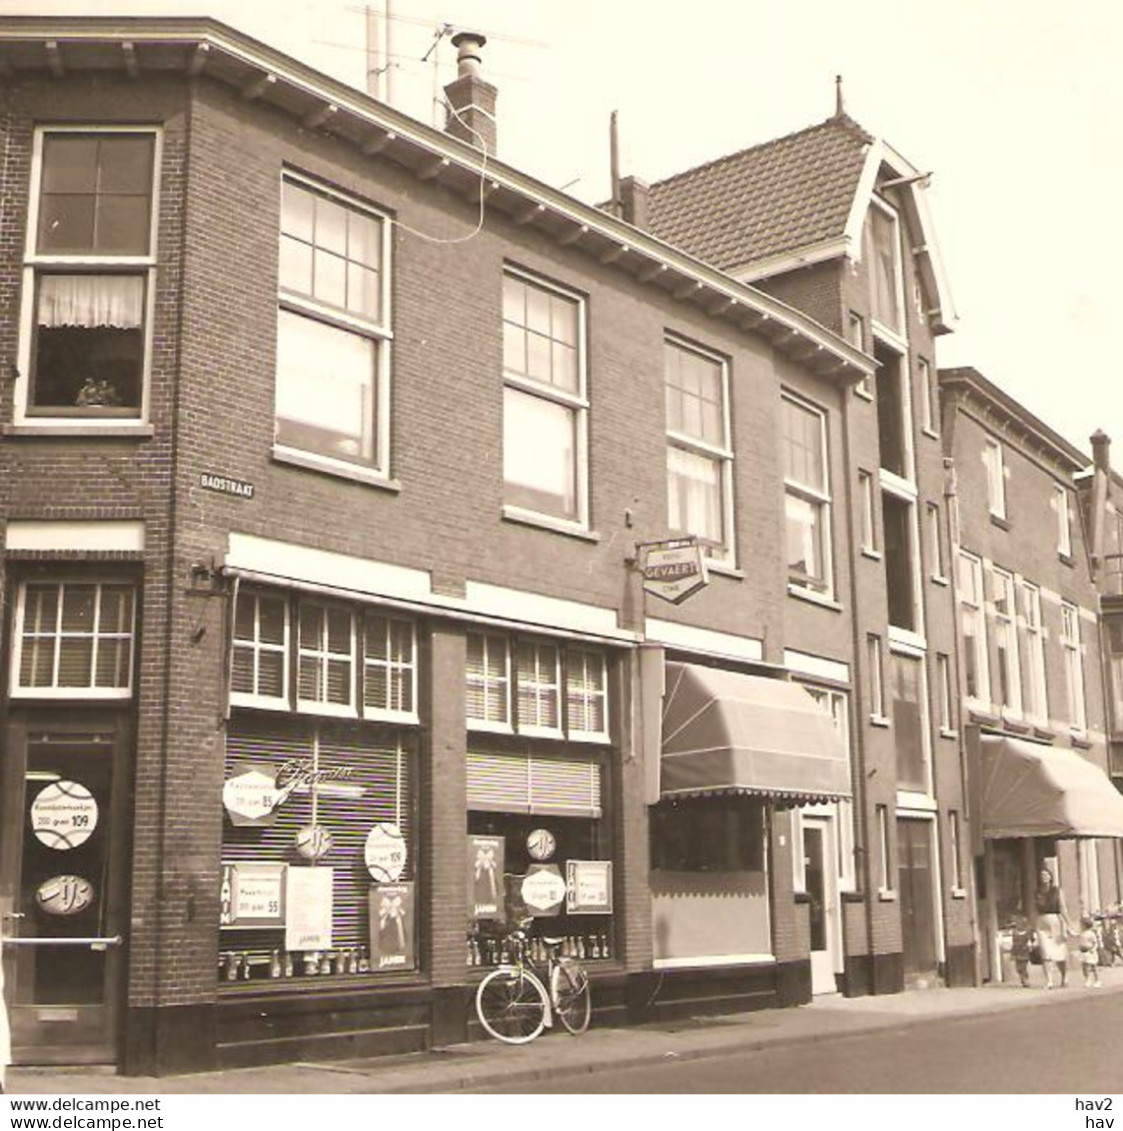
(90, 266)
(807, 496)
(884, 266)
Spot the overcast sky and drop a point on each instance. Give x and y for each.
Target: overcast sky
(1016, 108)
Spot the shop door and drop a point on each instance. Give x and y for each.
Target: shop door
(821, 886)
(60, 892)
(918, 899)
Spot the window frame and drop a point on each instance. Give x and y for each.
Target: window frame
(867, 514)
(994, 461)
(1032, 633)
(1006, 639)
(1063, 510)
(875, 658)
(379, 331)
(282, 702)
(930, 390)
(325, 655)
(538, 688)
(577, 403)
(936, 544)
(886, 889)
(1073, 654)
(569, 653)
(955, 851)
(37, 265)
(978, 615)
(899, 332)
(915, 636)
(505, 681)
(944, 689)
(723, 455)
(378, 713)
(817, 497)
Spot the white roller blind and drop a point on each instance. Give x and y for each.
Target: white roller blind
(507, 783)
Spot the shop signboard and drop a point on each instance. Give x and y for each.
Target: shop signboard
(674, 569)
(392, 927)
(253, 895)
(486, 857)
(64, 895)
(543, 890)
(588, 887)
(64, 815)
(541, 844)
(308, 908)
(250, 796)
(385, 853)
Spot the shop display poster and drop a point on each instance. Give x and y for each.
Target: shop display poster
(392, 927)
(486, 856)
(308, 908)
(588, 885)
(253, 895)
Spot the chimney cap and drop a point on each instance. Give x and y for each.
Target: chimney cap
(468, 37)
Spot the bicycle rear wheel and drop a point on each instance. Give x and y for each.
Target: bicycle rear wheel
(569, 987)
(511, 1005)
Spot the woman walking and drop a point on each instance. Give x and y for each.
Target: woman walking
(1052, 928)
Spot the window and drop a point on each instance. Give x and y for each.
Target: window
(74, 640)
(539, 688)
(699, 453)
(1064, 522)
(856, 336)
(841, 812)
(708, 834)
(1074, 665)
(260, 672)
(1033, 652)
(892, 411)
(807, 498)
(884, 857)
(900, 562)
(545, 409)
(489, 682)
(90, 268)
(955, 851)
(930, 393)
(975, 668)
(389, 667)
(883, 256)
(1113, 631)
(877, 679)
(332, 329)
(906, 682)
(996, 477)
(326, 659)
(865, 502)
(586, 693)
(1006, 642)
(935, 542)
(943, 678)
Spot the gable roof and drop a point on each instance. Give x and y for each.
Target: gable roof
(769, 200)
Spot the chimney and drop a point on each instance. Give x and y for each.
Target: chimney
(633, 201)
(471, 116)
(1101, 491)
(1101, 451)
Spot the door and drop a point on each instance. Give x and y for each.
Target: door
(917, 889)
(60, 891)
(821, 885)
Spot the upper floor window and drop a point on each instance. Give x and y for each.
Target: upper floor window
(89, 273)
(261, 649)
(883, 255)
(996, 477)
(935, 542)
(807, 502)
(326, 658)
(898, 519)
(333, 329)
(930, 393)
(1064, 521)
(699, 450)
(1113, 632)
(545, 407)
(74, 640)
(856, 336)
(1006, 642)
(908, 713)
(971, 601)
(893, 420)
(944, 688)
(1073, 665)
(865, 503)
(1035, 693)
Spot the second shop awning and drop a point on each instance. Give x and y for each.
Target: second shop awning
(1026, 789)
(726, 732)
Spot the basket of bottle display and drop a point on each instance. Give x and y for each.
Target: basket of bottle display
(266, 965)
(486, 949)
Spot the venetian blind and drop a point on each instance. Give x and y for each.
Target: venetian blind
(511, 783)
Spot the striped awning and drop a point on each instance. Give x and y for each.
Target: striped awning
(1028, 789)
(727, 732)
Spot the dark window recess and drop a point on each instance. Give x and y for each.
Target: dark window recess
(905, 699)
(708, 834)
(896, 518)
(890, 411)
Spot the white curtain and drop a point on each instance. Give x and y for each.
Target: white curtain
(91, 300)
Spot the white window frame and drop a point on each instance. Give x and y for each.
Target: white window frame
(955, 851)
(901, 484)
(946, 694)
(1006, 638)
(324, 654)
(394, 668)
(587, 657)
(936, 543)
(856, 336)
(1036, 701)
(726, 554)
(886, 888)
(577, 403)
(918, 798)
(377, 330)
(34, 263)
(977, 613)
(867, 514)
(897, 333)
(819, 497)
(539, 686)
(1072, 652)
(995, 464)
(18, 691)
(906, 494)
(485, 683)
(1113, 633)
(876, 660)
(928, 388)
(1064, 521)
(255, 699)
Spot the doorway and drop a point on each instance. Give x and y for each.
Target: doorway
(61, 890)
(820, 871)
(917, 887)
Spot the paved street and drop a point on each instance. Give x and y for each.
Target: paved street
(1069, 1047)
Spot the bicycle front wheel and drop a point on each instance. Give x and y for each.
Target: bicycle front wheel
(511, 1005)
(569, 987)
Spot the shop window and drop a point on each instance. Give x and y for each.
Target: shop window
(1073, 666)
(807, 496)
(892, 411)
(259, 675)
(708, 834)
(1034, 688)
(545, 406)
(975, 668)
(699, 448)
(326, 658)
(333, 329)
(89, 270)
(74, 640)
(1006, 642)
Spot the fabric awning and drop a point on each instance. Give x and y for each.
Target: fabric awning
(1027, 789)
(725, 732)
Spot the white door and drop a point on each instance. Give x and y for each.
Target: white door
(821, 885)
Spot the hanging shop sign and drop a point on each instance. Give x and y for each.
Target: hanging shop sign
(253, 895)
(392, 927)
(541, 844)
(313, 842)
(64, 815)
(674, 569)
(385, 853)
(64, 895)
(250, 796)
(588, 887)
(543, 890)
(486, 857)
(308, 908)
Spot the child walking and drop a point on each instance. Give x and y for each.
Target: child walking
(1022, 940)
(1089, 952)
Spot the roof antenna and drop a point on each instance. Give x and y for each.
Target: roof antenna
(839, 108)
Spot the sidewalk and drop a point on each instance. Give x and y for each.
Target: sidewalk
(488, 1063)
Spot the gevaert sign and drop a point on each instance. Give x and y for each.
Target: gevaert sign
(673, 569)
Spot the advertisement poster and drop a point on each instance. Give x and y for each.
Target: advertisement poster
(391, 927)
(543, 890)
(253, 895)
(308, 908)
(588, 886)
(486, 855)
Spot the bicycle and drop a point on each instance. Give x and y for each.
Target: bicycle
(513, 1002)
